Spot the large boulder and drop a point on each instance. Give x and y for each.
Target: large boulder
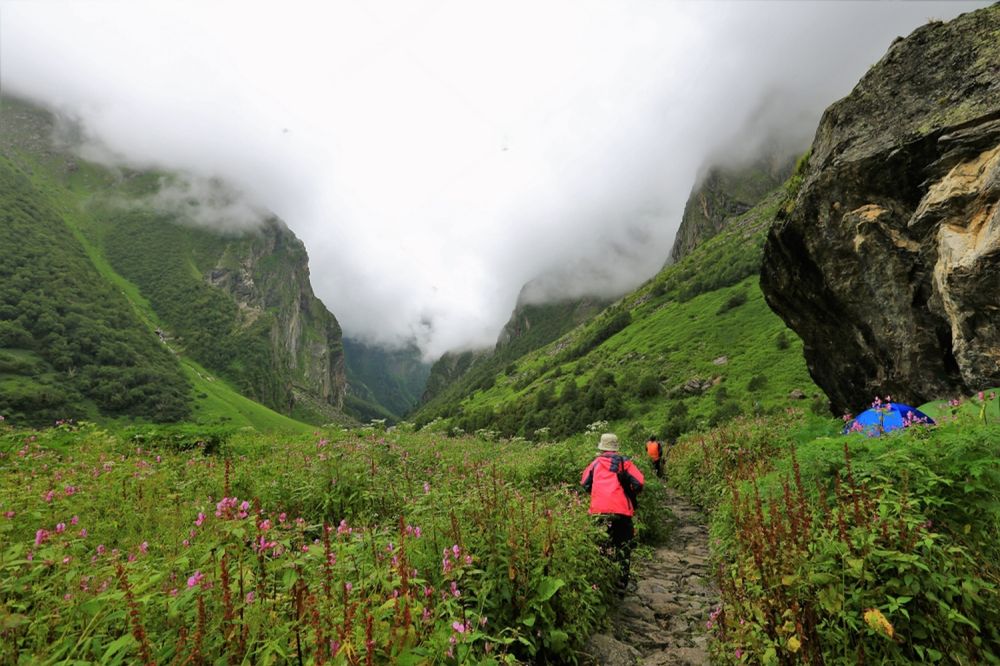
(887, 262)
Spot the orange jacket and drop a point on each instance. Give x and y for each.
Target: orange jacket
(654, 450)
(606, 492)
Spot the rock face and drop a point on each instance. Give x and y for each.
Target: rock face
(888, 262)
(267, 273)
(723, 194)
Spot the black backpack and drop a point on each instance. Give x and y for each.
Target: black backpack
(628, 482)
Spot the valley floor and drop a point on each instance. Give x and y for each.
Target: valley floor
(664, 620)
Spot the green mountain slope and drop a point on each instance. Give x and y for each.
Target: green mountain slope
(693, 347)
(530, 327)
(383, 383)
(70, 344)
(236, 310)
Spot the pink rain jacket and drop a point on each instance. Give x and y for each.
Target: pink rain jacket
(606, 493)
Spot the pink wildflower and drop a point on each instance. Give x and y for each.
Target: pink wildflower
(250, 597)
(144, 547)
(60, 528)
(83, 533)
(200, 519)
(101, 549)
(458, 626)
(49, 495)
(195, 579)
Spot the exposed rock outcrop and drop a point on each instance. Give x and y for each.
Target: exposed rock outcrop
(723, 194)
(888, 262)
(267, 273)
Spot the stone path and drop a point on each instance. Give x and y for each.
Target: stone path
(663, 621)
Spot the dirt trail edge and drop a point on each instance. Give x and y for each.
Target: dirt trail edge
(663, 620)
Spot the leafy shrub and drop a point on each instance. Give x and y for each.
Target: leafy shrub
(756, 383)
(648, 386)
(734, 301)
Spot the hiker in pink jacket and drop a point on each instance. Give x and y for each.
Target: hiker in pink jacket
(614, 482)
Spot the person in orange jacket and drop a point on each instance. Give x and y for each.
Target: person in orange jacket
(614, 482)
(654, 449)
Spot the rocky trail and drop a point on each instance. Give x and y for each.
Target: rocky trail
(662, 621)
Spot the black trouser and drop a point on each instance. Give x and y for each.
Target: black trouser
(621, 534)
(658, 466)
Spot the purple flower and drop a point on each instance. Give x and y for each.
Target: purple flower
(195, 579)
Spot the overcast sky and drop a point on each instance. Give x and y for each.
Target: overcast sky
(436, 156)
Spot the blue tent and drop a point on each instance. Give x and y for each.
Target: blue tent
(885, 417)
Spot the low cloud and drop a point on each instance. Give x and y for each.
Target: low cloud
(206, 202)
(437, 156)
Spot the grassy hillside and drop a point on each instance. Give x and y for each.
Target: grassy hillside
(56, 242)
(530, 327)
(694, 347)
(70, 344)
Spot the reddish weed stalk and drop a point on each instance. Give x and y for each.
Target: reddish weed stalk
(135, 620)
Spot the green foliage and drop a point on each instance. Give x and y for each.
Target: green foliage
(607, 328)
(756, 383)
(794, 183)
(648, 386)
(839, 546)
(68, 337)
(396, 548)
(734, 301)
(205, 321)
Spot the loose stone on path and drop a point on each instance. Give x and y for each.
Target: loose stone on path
(663, 621)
